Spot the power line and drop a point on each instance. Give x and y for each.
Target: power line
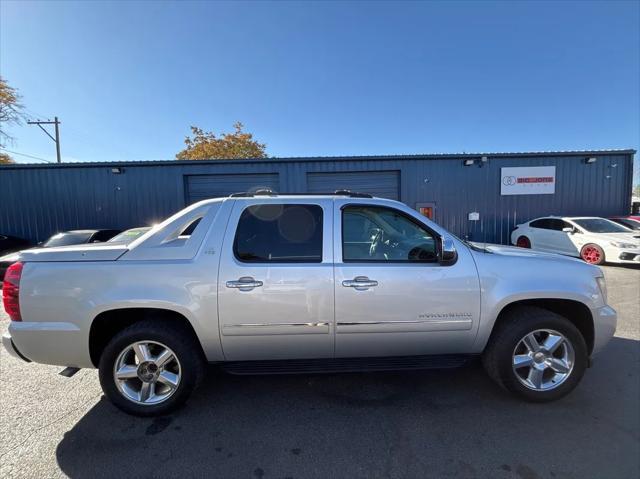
(84, 136)
(24, 154)
(34, 114)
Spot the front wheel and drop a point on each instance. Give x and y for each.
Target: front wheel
(150, 368)
(536, 354)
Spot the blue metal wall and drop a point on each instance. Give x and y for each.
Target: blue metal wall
(39, 200)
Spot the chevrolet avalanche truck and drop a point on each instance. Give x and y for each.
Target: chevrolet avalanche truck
(266, 283)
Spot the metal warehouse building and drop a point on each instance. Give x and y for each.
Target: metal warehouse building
(479, 196)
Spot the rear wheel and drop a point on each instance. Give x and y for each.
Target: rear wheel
(536, 354)
(150, 368)
(592, 254)
(523, 242)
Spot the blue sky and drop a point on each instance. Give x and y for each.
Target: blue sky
(332, 78)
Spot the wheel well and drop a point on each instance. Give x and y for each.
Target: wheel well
(107, 324)
(575, 311)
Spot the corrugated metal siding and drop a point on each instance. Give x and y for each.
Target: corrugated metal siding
(202, 187)
(384, 184)
(38, 201)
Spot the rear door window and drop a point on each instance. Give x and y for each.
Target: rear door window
(279, 233)
(543, 223)
(557, 224)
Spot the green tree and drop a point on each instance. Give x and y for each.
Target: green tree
(205, 145)
(10, 114)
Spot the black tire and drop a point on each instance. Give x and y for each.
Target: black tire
(519, 322)
(176, 337)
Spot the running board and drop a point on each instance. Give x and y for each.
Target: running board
(345, 365)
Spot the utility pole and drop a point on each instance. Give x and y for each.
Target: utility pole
(55, 122)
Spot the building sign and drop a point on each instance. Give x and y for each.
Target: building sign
(528, 180)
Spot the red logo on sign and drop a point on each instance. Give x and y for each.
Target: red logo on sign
(536, 179)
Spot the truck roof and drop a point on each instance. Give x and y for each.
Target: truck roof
(269, 192)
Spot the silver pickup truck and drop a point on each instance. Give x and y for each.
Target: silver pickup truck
(263, 283)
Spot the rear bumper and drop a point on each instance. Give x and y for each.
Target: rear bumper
(605, 320)
(7, 342)
(57, 343)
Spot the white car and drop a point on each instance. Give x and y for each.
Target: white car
(593, 239)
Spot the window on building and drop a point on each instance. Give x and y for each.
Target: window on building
(373, 233)
(279, 233)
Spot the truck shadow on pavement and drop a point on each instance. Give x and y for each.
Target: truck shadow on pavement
(445, 423)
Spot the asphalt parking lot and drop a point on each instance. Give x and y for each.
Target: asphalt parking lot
(454, 424)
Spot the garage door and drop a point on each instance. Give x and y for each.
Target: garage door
(385, 184)
(202, 187)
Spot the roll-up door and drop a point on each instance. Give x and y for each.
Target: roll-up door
(385, 184)
(202, 187)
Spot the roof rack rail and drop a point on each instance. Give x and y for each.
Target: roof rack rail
(259, 192)
(269, 192)
(352, 194)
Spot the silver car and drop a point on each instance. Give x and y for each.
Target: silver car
(266, 283)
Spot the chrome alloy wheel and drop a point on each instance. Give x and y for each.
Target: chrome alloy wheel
(147, 372)
(543, 359)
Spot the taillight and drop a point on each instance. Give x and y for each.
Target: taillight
(11, 291)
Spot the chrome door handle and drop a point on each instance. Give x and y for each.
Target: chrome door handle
(360, 283)
(246, 283)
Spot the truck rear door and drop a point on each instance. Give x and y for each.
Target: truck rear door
(275, 289)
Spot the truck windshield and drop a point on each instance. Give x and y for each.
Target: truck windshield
(600, 225)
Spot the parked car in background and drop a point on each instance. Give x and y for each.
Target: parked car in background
(270, 283)
(72, 237)
(130, 235)
(631, 222)
(593, 239)
(9, 244)
(66, 238)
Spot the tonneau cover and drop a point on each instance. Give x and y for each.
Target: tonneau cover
(85, 252)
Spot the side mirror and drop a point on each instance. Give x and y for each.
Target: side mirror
(568, 230)
(448, 253)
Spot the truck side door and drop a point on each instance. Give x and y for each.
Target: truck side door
(393, 297)
(275, 288)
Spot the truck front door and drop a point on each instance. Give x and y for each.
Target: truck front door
(393, 297)
(275, 289)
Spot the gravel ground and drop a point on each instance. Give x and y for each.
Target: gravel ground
(412, 424)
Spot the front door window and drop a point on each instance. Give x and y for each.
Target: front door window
(379, 234)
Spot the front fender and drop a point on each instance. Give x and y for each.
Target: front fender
(506, 280)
